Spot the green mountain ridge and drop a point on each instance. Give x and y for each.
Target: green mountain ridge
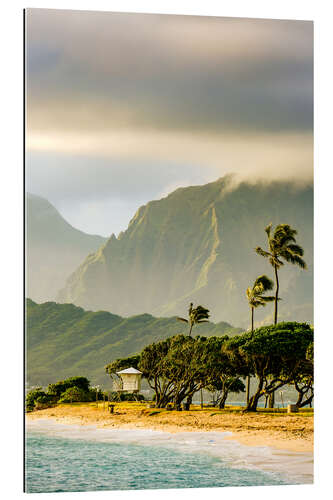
(63, 340)
(197, 244)
(53, 247)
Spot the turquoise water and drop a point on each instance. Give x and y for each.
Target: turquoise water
(73, 458)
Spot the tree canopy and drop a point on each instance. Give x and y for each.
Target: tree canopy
(274, 354)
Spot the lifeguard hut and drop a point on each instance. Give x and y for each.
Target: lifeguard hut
(130, 380)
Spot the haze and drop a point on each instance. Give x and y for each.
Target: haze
(124, 108)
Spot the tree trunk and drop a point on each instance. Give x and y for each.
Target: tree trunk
(253, 402)
(308, 401)
(276, 295)
(271, 400)
(223, 400)
(189, 399)
(248, 379)
(190, 331)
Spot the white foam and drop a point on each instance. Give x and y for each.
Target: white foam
(295, 467)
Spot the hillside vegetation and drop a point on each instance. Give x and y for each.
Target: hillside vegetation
(197, 244)
(64, 340)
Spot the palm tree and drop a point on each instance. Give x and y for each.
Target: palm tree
(255, 295)
(256, 298)
(281, 245)
(196, 315)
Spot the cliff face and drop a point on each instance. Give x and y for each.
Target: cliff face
(197, 245)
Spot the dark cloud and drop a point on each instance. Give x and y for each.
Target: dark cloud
(124, 108)
(169, 71)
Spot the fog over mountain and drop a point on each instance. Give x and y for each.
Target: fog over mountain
(197, 244)
(53, 248)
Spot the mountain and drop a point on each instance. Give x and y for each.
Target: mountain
(64, 340)
(197, 244)
(53, 247)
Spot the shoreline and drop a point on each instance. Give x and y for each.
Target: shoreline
(292, 433)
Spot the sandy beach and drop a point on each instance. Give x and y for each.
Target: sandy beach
(293, 432)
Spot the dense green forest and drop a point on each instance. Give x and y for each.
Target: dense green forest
(64, 340)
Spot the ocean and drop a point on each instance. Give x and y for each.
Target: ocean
(62, 458)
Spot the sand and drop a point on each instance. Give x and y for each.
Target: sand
(293, 432)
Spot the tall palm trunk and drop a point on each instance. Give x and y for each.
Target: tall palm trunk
(276, 295)
(271, 400)
(190, 331)
(248, 378)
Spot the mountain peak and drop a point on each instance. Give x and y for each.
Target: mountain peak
(197, 245)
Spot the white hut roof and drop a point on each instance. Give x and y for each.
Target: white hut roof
(130, 370)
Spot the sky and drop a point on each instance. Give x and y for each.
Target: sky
(125, 108)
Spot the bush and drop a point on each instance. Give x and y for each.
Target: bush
(60, 387)
(37, 399)
(74, 394)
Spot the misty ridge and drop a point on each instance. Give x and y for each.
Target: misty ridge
(196, 244)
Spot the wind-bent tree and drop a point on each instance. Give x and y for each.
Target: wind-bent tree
(281, 246)
(196, 315)
(304, 380)
(275, 354)
(175, 368)
(256, 298)
(222, 375)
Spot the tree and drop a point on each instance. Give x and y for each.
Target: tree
(75, 394)
(59, 387)
(223, 387)
(196, 315)
(255, 295)
(304, 380)
(221, 373)
(153, 366)
(121, 364)
(256, 298)
(281, 246)
(275, 354)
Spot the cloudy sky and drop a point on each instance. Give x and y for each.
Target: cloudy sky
(125, 108)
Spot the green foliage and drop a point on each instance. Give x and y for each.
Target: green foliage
(281, 246)
(196, 315)
(38, 396)
(310, 352)
(64, 391)
(122, 363)
(195, 245)
(74, 394)
(178, 366)
(255, 295)
(59, 388)
(66, 340)
(274, 353)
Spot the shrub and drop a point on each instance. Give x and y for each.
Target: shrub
(74, 394)
(37, 399)
(60, 387)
